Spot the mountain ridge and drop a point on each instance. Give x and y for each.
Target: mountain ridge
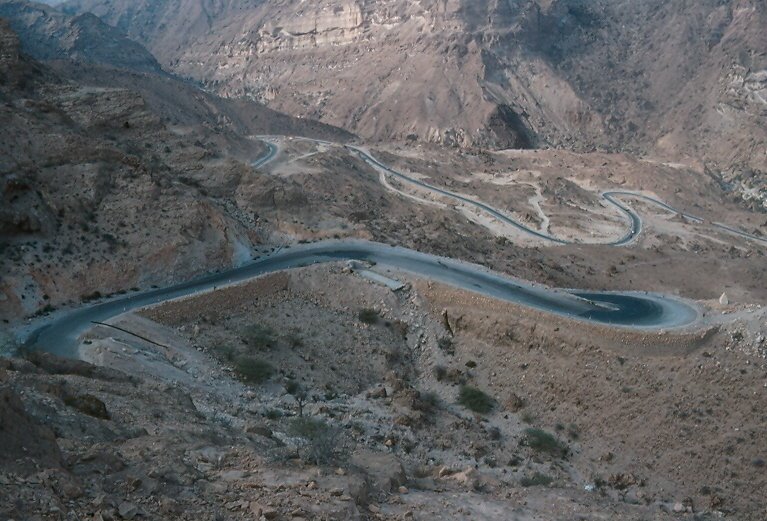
(681, 81)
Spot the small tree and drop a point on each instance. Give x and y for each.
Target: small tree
(299, 393)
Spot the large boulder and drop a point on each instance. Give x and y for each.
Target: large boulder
(385, 472)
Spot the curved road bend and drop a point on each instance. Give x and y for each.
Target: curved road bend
(631, 310)
(270, 154)
(633, 218)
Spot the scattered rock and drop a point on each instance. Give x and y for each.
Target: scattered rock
(444, 472)
(127, 510)
(468, 478)
(21, 435)
(169, 506)
(384, 470)
(514, 403)
(377, 393)
(622, 481)
(88, 404)
(265, 511)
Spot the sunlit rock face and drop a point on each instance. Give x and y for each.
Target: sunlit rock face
(685, 81)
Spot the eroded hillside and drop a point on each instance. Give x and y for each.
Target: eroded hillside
(682, 80)
(111, 179)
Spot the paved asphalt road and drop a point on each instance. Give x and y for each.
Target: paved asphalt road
(634, 220)
(633, 310)
(270, 154)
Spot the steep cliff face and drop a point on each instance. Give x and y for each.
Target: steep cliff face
(680, 79)
(49, 35)
(97, 165)
(385, 70)
(319, 25)
(9, 46)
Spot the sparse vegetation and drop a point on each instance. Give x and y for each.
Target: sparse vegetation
(294, 340)
(428, 402)
(536, 480)
(227, 352)
(299, 393)
(475, 400)
(253, 370)
(322, 439)
(89, 297)
(259, 337)
(368, 316)
(446, 344)
(542, 441)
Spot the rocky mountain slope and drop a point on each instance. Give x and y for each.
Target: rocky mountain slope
(685, 80)
(318, 414)
(49, 35)
(111, 179)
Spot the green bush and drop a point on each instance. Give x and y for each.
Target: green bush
(322, 439)
(368, 316)
(227, 352)
(542, 441)
(299, 393)
(259, 337)
(536, 480)
(475, 400)
(427, 401)
(254, 370)
(294, 340)
(446, 344)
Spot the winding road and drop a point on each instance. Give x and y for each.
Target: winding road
(633, 310)
(634, 220)
(270, 154)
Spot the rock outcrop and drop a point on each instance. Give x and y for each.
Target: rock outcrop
(47, 34)
(9, 46)
(682, 80)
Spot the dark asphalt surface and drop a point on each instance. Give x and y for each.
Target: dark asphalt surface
(634, 220)
(633, 310)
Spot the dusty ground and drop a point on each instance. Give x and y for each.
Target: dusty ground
(648, 424)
